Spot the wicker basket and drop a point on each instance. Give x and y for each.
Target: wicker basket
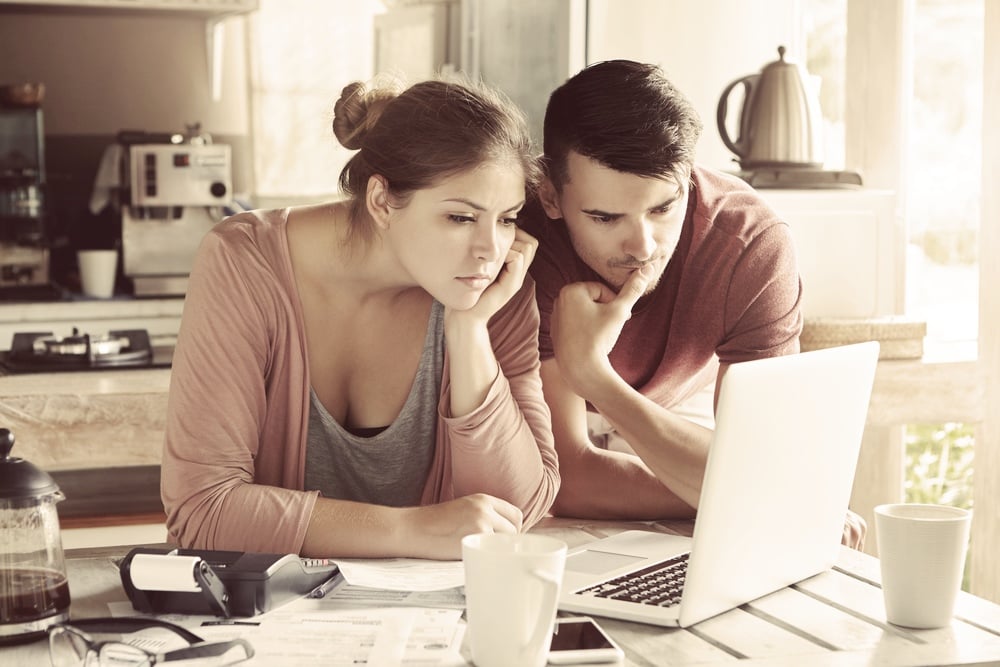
(900, 337)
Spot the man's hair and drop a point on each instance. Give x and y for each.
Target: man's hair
(626, 116)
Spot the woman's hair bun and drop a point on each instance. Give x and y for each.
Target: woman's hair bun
(359, 108)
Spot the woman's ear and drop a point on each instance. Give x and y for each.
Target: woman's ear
(549, 198)
(377, 201)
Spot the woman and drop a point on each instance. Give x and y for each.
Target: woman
(361, 377)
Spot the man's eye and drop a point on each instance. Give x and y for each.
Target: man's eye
(602, 219)
(663, 210)
(461, 219)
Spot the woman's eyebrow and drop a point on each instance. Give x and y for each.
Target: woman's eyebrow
(480, 207)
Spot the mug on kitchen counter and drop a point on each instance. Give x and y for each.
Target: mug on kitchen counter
(98, 269)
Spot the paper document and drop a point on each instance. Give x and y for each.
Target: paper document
(402, 574)
(413, 637)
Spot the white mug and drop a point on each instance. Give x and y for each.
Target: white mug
(921, 550)
(97, 272)
(512, 586)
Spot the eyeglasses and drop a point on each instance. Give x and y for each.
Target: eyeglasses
(71, 644)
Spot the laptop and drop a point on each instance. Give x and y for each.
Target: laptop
(773, 500)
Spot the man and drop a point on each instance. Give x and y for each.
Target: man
(653, 275)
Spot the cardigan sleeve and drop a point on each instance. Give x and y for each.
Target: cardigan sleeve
(505, 447)
(218, 404)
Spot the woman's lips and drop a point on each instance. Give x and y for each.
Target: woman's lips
(475, 282)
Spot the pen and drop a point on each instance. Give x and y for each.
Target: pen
(324, 588)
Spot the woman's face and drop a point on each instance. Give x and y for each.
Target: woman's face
(453, 238)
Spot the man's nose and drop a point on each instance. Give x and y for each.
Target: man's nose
(641, 243)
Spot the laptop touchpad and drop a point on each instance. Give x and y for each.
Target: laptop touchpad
(591, 561)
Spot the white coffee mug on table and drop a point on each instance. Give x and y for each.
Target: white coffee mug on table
(921, 549)
(512, 586)
(97, 272)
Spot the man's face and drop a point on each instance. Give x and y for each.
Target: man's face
(618, 221)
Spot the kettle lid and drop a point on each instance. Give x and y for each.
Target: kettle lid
(20, 479)
(781, 63)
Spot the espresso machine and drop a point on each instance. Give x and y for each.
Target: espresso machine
(24, 251)
(176, 193)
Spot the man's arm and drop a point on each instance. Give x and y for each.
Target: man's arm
(597, 483)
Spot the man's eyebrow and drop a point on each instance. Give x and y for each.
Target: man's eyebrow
(667, 202)
(601, 214)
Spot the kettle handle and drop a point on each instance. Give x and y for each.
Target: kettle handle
(740, 146)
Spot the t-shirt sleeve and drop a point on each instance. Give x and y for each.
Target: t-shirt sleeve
(550, 270)
(763, 316)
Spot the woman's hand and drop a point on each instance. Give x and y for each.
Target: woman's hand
(508, 281)
(436, 531)
(473, 365)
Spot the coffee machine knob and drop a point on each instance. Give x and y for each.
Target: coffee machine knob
(218, 189)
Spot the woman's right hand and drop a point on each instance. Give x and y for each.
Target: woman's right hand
(436, 531)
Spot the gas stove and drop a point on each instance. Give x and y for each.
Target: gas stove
(42, 352)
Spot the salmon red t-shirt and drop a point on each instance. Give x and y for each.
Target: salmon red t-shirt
(731, 292)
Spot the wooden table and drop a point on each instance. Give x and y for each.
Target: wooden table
(835, 618)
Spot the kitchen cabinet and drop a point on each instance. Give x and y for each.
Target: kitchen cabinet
(851, 249)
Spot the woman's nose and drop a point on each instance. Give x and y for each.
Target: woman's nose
(486, 243)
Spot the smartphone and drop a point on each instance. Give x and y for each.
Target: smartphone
(579, 639)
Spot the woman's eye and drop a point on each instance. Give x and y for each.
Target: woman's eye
(461, 219)
(662, 210)
(508, 221)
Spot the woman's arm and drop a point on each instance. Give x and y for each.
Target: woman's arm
(224, 381)
(505, 447)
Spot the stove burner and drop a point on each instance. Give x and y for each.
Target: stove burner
(43, 352)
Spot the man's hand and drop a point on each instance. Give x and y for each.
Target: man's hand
(855, 529)
(587, 319)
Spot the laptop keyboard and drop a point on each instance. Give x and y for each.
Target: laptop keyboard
(659, 584)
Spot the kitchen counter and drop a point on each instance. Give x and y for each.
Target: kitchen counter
(84, 420)
(99, 433)
(92, 419)
(160, 317)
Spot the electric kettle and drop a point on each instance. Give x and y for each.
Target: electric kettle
(34, 591)
(780, 120)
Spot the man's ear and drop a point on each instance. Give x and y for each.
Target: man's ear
(549, 197)
(377, 201)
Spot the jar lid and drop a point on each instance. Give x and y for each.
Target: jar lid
(20, 479)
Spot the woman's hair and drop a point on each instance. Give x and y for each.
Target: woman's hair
(415, 137)
(624, 115)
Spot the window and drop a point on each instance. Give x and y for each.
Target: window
(293, 90)
(941, 176)
(919, 76)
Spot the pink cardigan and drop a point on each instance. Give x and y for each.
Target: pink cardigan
(234, 452)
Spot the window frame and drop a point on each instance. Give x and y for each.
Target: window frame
(878, 62)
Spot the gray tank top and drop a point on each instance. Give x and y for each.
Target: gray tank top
(390, 467)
